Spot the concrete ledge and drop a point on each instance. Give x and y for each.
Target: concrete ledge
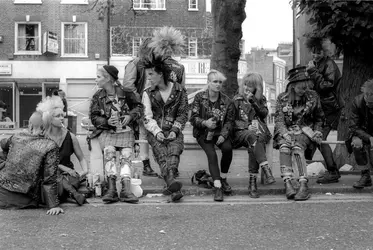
(240, 184)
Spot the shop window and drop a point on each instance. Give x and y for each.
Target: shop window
(6, 105)
(149, 4)
(74, 40)
(28, 38)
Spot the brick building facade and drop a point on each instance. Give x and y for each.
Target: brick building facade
(48, 45)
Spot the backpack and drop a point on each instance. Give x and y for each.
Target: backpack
(203, 178)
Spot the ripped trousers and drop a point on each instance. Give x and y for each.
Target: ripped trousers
(292, 158)
(125, 164)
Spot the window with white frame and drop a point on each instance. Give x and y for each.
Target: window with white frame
(192, 47)
(149, 4)
(193, 5)
(74, 1)
(136, 42)
(74, 40)
(28, 38)
(27, 2)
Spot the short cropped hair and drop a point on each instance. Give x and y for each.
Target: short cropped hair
(217, 74)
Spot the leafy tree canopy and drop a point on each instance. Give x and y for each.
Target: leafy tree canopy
(347, 23)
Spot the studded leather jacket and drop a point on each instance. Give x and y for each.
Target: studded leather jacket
(361, 122)
(169, 116)
(326, 77)
(101, 108)
(202, 110)
(310, 115)
(31, 167)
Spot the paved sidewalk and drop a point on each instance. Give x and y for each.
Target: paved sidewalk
(194, 159)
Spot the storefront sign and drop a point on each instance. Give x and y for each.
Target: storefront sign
(6, 69)
(50, 42)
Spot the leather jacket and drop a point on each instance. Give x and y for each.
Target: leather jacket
(247, 111)
(101, 107)
(311, 115)
(201, 111)
(361, 121)
(169, 116)
(31, 167)
(326, 77)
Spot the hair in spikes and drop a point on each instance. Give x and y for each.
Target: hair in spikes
(167, 41)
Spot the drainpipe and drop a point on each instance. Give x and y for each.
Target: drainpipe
(294, 38)
(108, 31)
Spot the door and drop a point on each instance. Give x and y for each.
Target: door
(27, 105)
(29, 96)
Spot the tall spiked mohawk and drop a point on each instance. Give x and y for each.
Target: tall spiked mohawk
(167, 41)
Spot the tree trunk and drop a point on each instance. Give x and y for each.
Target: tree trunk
(228, 16)
(355, 73)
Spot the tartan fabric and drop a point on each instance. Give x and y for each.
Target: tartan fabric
(164, 153)
(121, 140)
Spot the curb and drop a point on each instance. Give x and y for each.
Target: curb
(198, 191)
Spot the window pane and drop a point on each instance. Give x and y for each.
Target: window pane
(6, 96)
(136, 44)
(74, 38)
(28, 37)
(149, 4)
(192, 4)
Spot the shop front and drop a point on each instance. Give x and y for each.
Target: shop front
(22, 96)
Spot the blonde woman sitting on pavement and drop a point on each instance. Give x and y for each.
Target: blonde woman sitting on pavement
(69, 180)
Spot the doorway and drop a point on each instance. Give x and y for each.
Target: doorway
(29, 96)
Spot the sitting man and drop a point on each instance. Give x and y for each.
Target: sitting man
(165, 105)
(361, 133)
(28, 176)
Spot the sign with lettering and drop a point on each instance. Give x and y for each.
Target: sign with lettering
(6, 69)
(50, 42)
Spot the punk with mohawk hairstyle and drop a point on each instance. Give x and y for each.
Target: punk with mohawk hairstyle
(168, 41)
(160, 65)
(166, 112)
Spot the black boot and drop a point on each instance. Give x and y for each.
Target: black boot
(289, 189)
(125, 194)
(268, 174)
(218, 195)
(303, 192)
(329, 177)
(172, 185)
(176, 196)
(79, 198)
(365, 180)
(111, 194)
(148, 171)
(253, 190)
(225, 186)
